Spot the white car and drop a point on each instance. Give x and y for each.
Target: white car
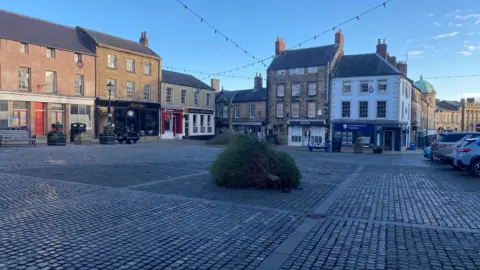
(468, 156)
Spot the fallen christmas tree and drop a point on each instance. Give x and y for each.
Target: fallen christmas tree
(250, 162)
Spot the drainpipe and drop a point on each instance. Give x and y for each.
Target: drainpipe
(327, 102)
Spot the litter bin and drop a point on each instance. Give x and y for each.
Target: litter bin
(76, 128)
(413, 146)
(337, 146)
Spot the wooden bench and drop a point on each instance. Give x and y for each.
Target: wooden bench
(14, 135)
(322, 146)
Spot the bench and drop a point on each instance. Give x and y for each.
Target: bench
(322, 146)
(16, 135)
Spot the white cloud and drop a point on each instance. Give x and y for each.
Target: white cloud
(430, 14)
(464, 53)
(470, 34)
(450, 23)
(415, 52)
(458, 25)
(475, 16)
(446, 35)
(427, 46)
(437, 23)
(471, 47)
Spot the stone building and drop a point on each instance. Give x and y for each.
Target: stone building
(133, 71)
(448, 116)
(298, 84)
(470, 113)
(416, 114)
(249, 109)
(188, 106)
(429, 107)
(47, 75)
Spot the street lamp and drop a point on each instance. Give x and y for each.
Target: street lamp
(110, 88)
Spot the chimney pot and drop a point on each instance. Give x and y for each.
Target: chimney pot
(143, 38)
(379, 41)
(215, 84)
(339, 38)
(384, 41)
(279, 46)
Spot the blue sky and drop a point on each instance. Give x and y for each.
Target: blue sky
(442, 37)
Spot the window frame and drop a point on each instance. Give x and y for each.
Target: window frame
(24, 48)
(280, 113)
(196, 97)
(349, 109)
(208, 102)
(54, 81)
(295, 104)
(51, 53)
(377, 111)
(114, 57)
(309, 107)
(149, 87)
(78, 58)
(282, 86)
(169, 95)
(299, 89)
(132, 61)
(347, 84)
(130, 90)
(149, 65)
(360, 109)
(362, 83)
(382, 82)
(81, 91)
(251, 110)
(28, 79)
(183, 96)
(236, 110)
(308, 89)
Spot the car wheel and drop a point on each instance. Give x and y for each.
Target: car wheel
(129, 142)
(475, 169)
(120, 141)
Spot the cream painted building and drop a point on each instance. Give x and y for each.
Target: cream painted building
(187, 106)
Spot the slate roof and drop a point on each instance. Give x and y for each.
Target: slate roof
(121, 43)
(183, 79)
(449, 105)
(246, 95)
(39, 32)
(361, 65)
(308, 57)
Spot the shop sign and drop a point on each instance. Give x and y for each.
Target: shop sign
(200, 111)
(307, 123)
(136, 105)
(354, 127)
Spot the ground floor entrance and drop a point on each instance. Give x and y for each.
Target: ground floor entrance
(199, 123)
(301, 133)
(172, 123)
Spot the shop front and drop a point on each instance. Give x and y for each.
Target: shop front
(172, 123)
(349, 132)
(142, 117)
(256, 127)
(199, 123)
(300, 133)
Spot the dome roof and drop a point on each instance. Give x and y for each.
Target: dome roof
(424, 86)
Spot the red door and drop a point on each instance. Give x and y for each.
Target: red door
(39, 119)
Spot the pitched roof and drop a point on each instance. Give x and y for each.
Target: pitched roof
(308, 57)
(246, 95)
(39, 32)
(120, 43)
(448, 105)
(183, 79)
(361, 65)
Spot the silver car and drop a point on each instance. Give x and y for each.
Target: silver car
(445, 147)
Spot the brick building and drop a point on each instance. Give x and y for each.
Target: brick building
(298, 87)
(188, 106)
(47, 75)
(249, 109)
(134, 71)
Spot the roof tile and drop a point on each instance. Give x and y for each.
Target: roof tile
(308, 57)
(360, 65)
(183, 79)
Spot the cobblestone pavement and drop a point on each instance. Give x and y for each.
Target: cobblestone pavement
(154, 206)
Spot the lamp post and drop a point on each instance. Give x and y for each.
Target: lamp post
(110, 88)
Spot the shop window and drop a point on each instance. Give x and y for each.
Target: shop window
(202, 123)
(209, 123)
(346, 109)
(81, 114)
(195, 126)
(19, 114)
(3, 113)
(57, 113)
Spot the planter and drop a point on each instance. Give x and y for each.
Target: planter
(377, 150)
(107, 139)
(57, 141)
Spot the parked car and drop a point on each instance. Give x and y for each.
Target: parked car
(445, 147)
(427, 152)
(468, 156)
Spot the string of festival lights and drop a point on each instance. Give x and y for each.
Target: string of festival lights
(452, 77)
(218, 32)
(172, 68)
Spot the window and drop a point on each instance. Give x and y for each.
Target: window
(51, 81)
(363, 109)
(296, 71)
(381, 109)
(78, 58)
(346, 109)
(280, 110)
(80, 113)
(24, 48)
(281, 72)
(364, 87)
(50, 53)
(237, 111)
(168, 98)
(113, 93)
(112, 61)
(208, 99)
(312, 69)
(130, 90)
(252, 110)
(146, 91)
(312, 89)
(295, 90)
(147, 68)
(4, 113)
(347, 87)
(130, 65)
(197, 93)
(295, 110)
(382, 86)
(79, 84)
(280, 90)
(403, 109)
(312, 108)
(24, 78)
(184, 97)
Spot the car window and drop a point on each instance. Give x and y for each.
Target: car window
(467, 142)
(449, 138)
(474, 136)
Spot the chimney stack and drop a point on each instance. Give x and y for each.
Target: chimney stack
(382, 49)
(339, 37)
(215, 84)
(279, 46)
(144, 39)
(258, 82)
(402, 66)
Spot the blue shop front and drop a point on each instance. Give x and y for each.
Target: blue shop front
(349, 132)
